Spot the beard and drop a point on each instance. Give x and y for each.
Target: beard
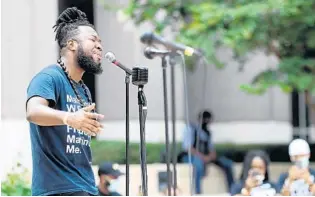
(87, 63)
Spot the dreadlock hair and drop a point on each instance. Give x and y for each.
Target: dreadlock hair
(66, 28)
(67, 24)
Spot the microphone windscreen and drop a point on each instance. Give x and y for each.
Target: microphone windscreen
(109, 56)
(139, 76)
(148, 53)
(146, 38)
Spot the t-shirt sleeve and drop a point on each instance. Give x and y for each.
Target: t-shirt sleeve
(43, 85)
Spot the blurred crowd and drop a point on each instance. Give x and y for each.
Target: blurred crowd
(198, 149)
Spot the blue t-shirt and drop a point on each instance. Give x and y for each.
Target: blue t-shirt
(61, 154)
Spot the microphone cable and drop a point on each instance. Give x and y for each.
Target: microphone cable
(191, 183)
(204, 61)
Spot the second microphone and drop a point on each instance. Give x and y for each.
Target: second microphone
(139, 74)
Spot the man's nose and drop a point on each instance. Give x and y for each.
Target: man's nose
(99, 46)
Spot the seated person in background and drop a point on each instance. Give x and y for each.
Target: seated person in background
(108, 174)
(255, 176)
(299, 181)
(198, 140)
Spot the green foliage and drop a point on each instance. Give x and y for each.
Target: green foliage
(284, 28)
(16, 183)
(115, 151)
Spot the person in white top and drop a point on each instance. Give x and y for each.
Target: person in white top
(300, 178)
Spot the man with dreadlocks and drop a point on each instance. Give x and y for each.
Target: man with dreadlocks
(61, 113)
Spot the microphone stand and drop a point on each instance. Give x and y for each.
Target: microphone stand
(164, 64)
(142, 102)
(140, 78)
(127, 82)
(172, 62)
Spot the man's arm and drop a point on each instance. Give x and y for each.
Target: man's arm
(42, 94)
(38, 112)
(188, 141)
(212, 155)
(196, 152)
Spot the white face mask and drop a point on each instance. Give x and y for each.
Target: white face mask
(114, 185)
(302, 163)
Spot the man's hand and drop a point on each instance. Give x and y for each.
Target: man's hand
(85, 121)
(213, 155)
(206, 158)
(210, 157)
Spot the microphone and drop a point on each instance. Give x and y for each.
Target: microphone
(112, 59)
(139, 76)
(150, 52)
(149, 38)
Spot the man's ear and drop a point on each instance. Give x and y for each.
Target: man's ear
(72, 45)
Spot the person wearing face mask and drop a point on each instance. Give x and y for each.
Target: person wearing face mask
(300, 179)
(108, 174)
(197, 139)
(254, 178)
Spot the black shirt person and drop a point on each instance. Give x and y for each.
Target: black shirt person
(198, 140)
